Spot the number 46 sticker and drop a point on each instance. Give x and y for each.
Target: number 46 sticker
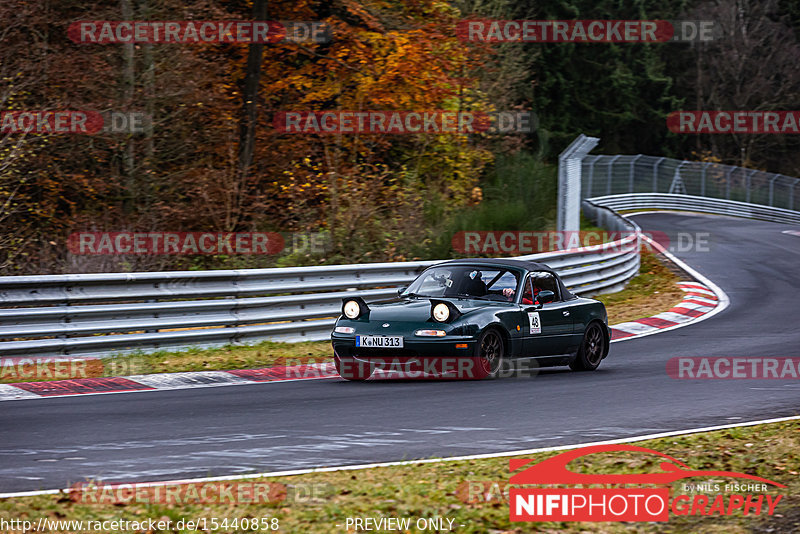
(536, 325)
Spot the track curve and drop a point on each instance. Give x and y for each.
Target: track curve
(274, 427)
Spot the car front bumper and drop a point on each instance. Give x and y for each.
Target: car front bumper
(416, 352)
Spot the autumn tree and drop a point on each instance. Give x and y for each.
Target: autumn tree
(751, 65)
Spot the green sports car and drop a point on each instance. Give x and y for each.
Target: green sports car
(472, 318)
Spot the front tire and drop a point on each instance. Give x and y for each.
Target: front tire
(491, 355)
(592, 349)
(352, 369)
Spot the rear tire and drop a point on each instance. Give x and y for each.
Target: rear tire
(592, 349)
(352, 369)
(491, 355)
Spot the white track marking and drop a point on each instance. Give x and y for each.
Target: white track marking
(188, 380)
(10, 392)
(674, 317)
(691, 284)
(632, 327)
(693, 306)
(702, 291)
(701, 299)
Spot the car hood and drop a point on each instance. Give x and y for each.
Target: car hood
(419, 309)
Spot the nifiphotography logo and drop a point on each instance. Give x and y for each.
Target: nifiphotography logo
(616, 501)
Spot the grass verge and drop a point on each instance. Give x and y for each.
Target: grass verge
(430, 490)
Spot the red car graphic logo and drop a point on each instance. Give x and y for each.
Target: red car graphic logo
(554, 470)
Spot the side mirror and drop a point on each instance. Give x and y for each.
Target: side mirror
(400, 290)
(545, 296)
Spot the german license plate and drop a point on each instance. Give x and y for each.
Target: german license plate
(380, 342)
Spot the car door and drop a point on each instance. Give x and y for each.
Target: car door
(514, 319)
(549, 326)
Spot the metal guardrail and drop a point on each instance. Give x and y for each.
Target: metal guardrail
(666, 201)
(101, 314)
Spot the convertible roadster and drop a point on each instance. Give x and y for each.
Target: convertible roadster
(472, 319)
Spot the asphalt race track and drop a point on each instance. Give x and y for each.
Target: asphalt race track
(168, 435)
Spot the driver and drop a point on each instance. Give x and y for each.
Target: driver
(473, 284)
(527, 298)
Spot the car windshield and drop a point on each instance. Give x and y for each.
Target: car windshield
(465, 281)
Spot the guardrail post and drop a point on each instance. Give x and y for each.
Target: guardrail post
(677, 186)
(234, 338)
(610, 168)
(747, 181)
(155, 316)
(569, 182)
(791, 194)
(630, 173)
(65, 306)
(655, 174)
(703, 179)
(772, 188)
(728, 183)
(591, 177)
